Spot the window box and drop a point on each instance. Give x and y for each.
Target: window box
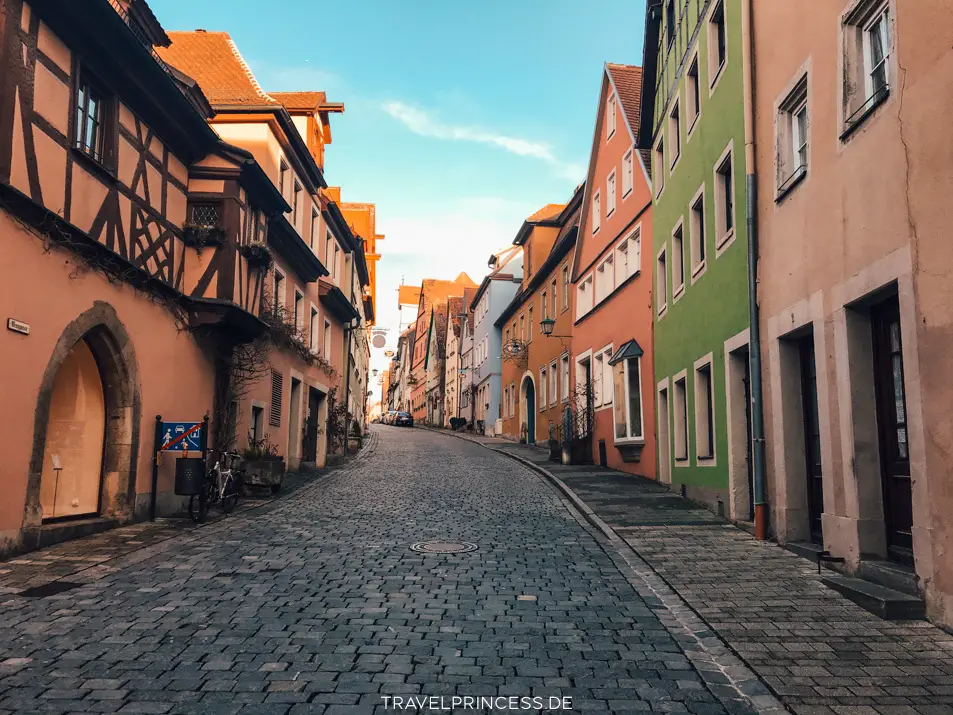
(198, 236)
(257, 254)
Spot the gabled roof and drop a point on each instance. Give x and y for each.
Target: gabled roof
(627, 80)
(546, 216)
(455, 308)
(300, 101)
(213, 60)
(434, 291)
(548, 211)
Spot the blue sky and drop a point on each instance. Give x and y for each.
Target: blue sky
(460, 120)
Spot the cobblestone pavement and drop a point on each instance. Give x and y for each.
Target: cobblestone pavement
(816, 650)
(317, 604)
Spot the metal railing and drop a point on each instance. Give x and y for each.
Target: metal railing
(140, 35)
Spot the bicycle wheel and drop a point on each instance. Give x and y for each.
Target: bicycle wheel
(199, 504)
(230, 498)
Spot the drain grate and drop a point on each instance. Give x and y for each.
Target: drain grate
(49, 589)
(444, 547)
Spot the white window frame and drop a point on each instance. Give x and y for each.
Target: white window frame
(716, 71)
(314, 325)
(628, 175)
(705, 460)
(790, 138)
(605, 279)
(553, 383)
(690, 96)
(610, 193)
(622, 269)
(596, 212)
(600, 361)
(678, 257)
(566, 286)
(582, 359)
(611, 112)
(543, 405)
(724, 236)
(699, 262)
(661, 283)
(564, 363)
(674, 129)
(684, 433)
(629, 437)
(658, 158)
(327, 340)
(881, 17)
(585, 296)
(279, 281)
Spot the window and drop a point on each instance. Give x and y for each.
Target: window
(92, 122)
(542, 389)
(564, 376)
(661, 283)
(296, 205)
(704, 415)
(314, 227)
(658, 172)
(867, 49)
(627, 388)
(681, 420)
(335, 271)
(313, 330)
(596, 212)
(553, 383)
(282, 178)
(678, 260)
(278, 291)
(277, 383)
(256, 433)
(724, 201)
(584, 297)
(692, 95)
(605, 279)
(622, 261)
(602, 378)
(298, 312)
(522, 330)
(532, 328)
(327, 340)
(717, 43)
(565, 280)
(627, 176)
(670, 22)
(610, 193)
(552, 287)
(543, 305)
(610, 116)
(675, 134)
(792, 139)
(697, 229)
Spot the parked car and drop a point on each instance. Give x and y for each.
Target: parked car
(404, 419)
(389, 417)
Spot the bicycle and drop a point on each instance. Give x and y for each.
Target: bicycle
(220, 486)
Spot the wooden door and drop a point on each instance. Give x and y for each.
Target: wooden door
(892, 427)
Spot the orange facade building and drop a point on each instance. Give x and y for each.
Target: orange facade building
(536, 371)
(613, 321)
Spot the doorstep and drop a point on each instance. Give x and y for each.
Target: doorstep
(884, 602)
(59, 531)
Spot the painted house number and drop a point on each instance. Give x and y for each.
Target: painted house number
(18, 327)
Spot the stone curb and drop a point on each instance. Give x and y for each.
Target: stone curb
(724, 671)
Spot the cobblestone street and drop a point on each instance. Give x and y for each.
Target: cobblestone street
(316, 603)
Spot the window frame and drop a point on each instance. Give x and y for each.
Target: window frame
(658, 157)
(856, 56)
(596, 212)
(87, 87)
(600, 358)
(705, 364)
(626, 371)
(789, 170)
(698, 235)
(680, 456)
(693, 94)
(675, 128)
(661, 283)
(610, 193)
(678, 289)
(553, 383)
(628, 173)
(564, 370)
(566, 284)
(716, 70)
(543, 389)
(724, 235)
(612, 111)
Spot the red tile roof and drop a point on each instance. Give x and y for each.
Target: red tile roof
(628, 86)
(213, 60)
(301, 101)
(548, 211)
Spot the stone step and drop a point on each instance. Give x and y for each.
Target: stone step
(881, 601)
(804, 549)
(886, 573)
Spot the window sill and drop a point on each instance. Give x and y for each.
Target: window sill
(630, 451)
(627, 194)
(859, 118)
(663, 311)
(678, 292)
(609, 213)
(790, 183)
(698, 270)
(691, 128)
(97, 167)
(722, 243)
(714, 80)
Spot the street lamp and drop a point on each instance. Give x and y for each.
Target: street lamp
(546, 326)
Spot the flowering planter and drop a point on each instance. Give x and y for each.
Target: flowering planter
(264, 473)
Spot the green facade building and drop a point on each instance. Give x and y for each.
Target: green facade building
(693, 125)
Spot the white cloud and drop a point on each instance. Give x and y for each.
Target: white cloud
(419, 122)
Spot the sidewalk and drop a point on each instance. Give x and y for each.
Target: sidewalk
(817, 651)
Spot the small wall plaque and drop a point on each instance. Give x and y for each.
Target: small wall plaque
(17, 327)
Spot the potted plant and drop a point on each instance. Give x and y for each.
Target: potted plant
(257, 254)
(199, 236)
(262, 464)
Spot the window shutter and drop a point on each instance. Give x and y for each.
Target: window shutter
(277, 382)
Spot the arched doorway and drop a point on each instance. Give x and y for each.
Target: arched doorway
(73, 460)
(529, 405)
(98, 476)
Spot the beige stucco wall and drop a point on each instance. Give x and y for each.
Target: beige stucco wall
(872, 213)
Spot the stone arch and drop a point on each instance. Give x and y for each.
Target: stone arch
(112, 349)
(528, 411)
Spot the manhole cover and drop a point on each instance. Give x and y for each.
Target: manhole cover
(49, 589)
(443, 547)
